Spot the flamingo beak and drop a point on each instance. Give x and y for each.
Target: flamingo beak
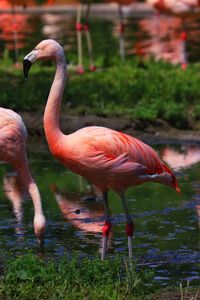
(29, 59)
(26, 67)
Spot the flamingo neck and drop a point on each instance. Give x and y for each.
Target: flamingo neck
(51, 114)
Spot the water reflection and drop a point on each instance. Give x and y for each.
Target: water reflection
(167, 226)
(16, 193)
(83, 215)
(184, 157)
(153, 36)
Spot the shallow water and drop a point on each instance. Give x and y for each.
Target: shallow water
(167, 225)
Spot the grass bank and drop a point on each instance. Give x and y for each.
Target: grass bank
(29, 277)
(158, 91)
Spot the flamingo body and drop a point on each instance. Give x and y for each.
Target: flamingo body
(111, 159)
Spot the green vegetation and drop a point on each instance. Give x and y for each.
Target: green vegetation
(29, 277)
(159, 91)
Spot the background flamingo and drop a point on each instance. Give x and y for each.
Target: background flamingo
(83, 26)
(182, 8)
(107, 158)
(13, 137)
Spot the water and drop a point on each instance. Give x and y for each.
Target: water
(146, 37)
(167, 225)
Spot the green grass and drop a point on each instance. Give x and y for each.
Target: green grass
(159, 91)
(29, 277)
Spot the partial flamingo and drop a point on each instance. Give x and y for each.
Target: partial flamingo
(121, 29)
(107, 158)
(178, 7)
(13, 136)
(181, 8)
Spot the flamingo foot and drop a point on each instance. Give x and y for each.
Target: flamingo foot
(129, 232)
(93, 68)
(183, 66)
(80, 70)
(106, 230)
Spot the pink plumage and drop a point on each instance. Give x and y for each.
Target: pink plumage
(112, 159)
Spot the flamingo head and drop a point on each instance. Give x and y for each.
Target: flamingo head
(45, 50)
(39, 228)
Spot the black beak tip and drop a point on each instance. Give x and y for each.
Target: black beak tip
(26, 67)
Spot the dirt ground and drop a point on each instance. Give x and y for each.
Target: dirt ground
(152, 132)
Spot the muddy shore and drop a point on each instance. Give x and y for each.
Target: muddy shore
(154, 132)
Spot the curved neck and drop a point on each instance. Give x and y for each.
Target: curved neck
(51, 114)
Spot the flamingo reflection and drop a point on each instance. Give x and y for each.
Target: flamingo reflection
(76, 211)
(187, 156)
(16, 193)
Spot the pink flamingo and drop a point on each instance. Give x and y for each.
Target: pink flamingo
(13, 137)
(107, 158)
(179, 7)
(182, 8)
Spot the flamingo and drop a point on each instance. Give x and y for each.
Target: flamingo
(107, 158)
(83, 26)
(80, 27)
(181, 8)
(13, 137)
(178, 7)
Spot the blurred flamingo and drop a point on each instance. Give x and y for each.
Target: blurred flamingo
(13, 136)
(12, 26)
(163, 41)
(107, 158)
(120, 4)
(179, 7)
(82, 25)
(182, 8)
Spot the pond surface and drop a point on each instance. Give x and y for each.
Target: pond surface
(167, 225)
(149, 36)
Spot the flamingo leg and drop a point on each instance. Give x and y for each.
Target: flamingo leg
(121, 35)
(106, 227)
(183, 38)
(88, 38)
(129, 227)
(79, 28)
(15, 36)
